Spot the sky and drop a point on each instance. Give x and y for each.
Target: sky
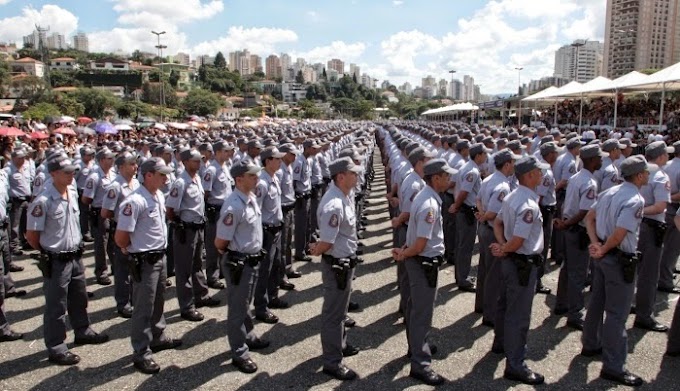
(395, 40)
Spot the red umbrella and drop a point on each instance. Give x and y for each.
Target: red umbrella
(84, 120)
(39, 135)
(65, 131)
(11, 131)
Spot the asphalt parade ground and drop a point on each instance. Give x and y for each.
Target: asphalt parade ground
(292, 362)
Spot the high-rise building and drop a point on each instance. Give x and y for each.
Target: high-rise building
(580, 61)
(240, 61)
(255, 63)
(183, 58)
(443, 87)
(429, 81)
(406, 88)
(33, 39)
(285, 63)
(56, 41)
(205, 60)
(457, 90)
(468, 88)
(81, 42)
(337, 65)
(355, 71)
(641, 34)
(272, 65)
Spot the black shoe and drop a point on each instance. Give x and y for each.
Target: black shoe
(209, 302)
(560, 311)
(267, 317)
(360, 251)
(66, 358)
(245, 366)
(192, 316)
(168, 282)
(654, 326)
(349, 322)
(591, 353)
(488, 323)
(90, 295)
(529, 377)
(361, 244)
(360, 260)
(12, 336)
(632, 310)
(278, 303)
(626, 378)
(216, 285)
(431, 378)
(88, 238)
(305, 258)
(575, 324)
(258, 344)
(294, 274)
(542, 289)
(125, 313)
(341, 372)
(16, 293)
(673, 353)
(676, 270)
(105, 280)
(468, 288)
(166, 345)
(17, 253)
(350, 350)
(94, 339)
(287, 286)
(353, 306)
(360, 235)
(674, 289)
(496, 350)
(15, 268)
(147, 366)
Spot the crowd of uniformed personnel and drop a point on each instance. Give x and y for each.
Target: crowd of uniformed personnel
(242, 199)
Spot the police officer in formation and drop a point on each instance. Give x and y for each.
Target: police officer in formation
(6, 333)
(19, 181)
(671, 242)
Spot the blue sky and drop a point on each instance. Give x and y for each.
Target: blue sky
(394, 40)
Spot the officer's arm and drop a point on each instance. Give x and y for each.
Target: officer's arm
(33, 238)
(107, 214)
(86, 200)
(169, 213)
(655, 209)
(675, 197)
(221, 245)
(319, 248)
(513, 245)
(575, 220)
(614, 239)
(122, 238)
(590, 226)
(417, 248)
(561, 184)
(459, 200)
(676, 220)
(498, 230)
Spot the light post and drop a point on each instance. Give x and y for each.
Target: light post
(160, 78)
(519, 95)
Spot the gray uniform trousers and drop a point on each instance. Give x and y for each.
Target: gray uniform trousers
(65, 290)
(6, 254)
(191, 282)
(449, 227)
(170, 251)
(557, 241)
(465, 237)
(267, 285)
(419, 310)
(239, 321)
(486, 237)
(122, 290)
(572, 279)
(670, 254)
(673, 345)
(17, 218)
(333, 312)
(402, 276)
(4, 324)
(212, 258)
(147, 325)
(286, 243)
(103, 246)
(610, 294)
(301, 226)
(84, 213)
(514, 315)
(317, 193)
(648, 275)
(548, 218)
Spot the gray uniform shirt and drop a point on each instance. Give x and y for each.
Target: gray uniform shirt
(581, 195)
(565, 167)
(672, 169)
(302, 174)
(620, 207)
(426, 222)
(470, 181)
(522, 218)
(83, 173)
(117, 192)
(493, 191)
(285, 175)
(317, 174)
(96, 185)
(142, 214)
(241, 223)
(187, 198)
(546, 188)
(608, 176)
(408, 190)
(268, 194)
(217, 180)
(19, 180)
(337, 222)
(658, 189)
(57, 220)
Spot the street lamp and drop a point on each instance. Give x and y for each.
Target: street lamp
(519, 94)
(160, 79)
(577, 44)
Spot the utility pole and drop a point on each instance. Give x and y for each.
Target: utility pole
(160, 78)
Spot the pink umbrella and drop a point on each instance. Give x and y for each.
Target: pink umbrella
(39, 135)
(11, 131)
(65, 131)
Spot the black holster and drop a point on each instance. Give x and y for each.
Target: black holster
(94, 214)
(45, 265)
(523, 263)
(180, 230)
(341, 268)
(235, 265)
(628, 264)
(113, 225)
(135, 266)
(469, 213)
(547, 210)
(431, 269)
(583, 239)
(212, 212)
(658, 228)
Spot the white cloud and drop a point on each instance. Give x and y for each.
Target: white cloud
(151, 13)
(126, 40)
(58, 19)
(257, 40)
(3, 2)
(397, 2)
(338, 49)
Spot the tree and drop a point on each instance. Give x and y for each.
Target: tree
(68, 105)
(220, 61)
(41, 110)
(174, 78)
(324, 75)
(95, 102)
(201, 102)
(5, 77)
(60, 78)
(354, 78)
(137, 56)
(299, 78)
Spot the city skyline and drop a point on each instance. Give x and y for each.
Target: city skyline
(391, 40)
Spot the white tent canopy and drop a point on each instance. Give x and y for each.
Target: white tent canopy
(594, 87)
(467, 106)
(629, 79)
(541, 94)
(565, 91)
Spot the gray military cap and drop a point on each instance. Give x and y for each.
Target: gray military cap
(633, 165)
(529, 163)
(242, 167)
(478, 148)
(205, 147)
(574, 142)
(255, 144)
(104, 153)
(222, 146)
(310, 144)
(437, 166)
(504, 156)
(189, 154)
(155, 164)
(515, 145)
(86, 150)
(549, 148)
(271, 152)
(351, 153)
(19, 153)
(419, 154)
(126, 157)
(343, 164)
(627, 142)
(591, 151)
(289, 148)
(163, 149)
(656, 149)
(462, 144)
(612, 144)
(63, 164)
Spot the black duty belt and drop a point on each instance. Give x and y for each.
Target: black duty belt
(271, 228)
(654, 223)
(64, 256)
(194, 226)
(548, 209)
(303, 196)
(150, 257)
(333, 260)
(18, 199)
(287, 208)
(534, 259)
(4, 224)
(250, 259)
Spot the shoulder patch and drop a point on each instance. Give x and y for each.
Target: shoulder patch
(127, 211)
(469, 177)
(258, 192)
(668, 185)
(207, 177)
(501, 196)
(528, 217)
(37, 211)
(89, 184)
(111, 194)
(638, 214)
(174, 192)
(546, 182)
(591, 194)
(37, 182)
(228, 219)
(429, 218)
(297, 169)
(572, 169)
(333, 222)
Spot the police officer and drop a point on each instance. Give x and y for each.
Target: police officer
(217, 186)
(19, 181)
(518, 229)
(6, 333)
(86, 164)
(548, 204)
(671, 243)
(613, 226)
(239, 236)
(186, 206)
(285, 175)
(673, 345)
(657, 194)
(142, 236)
(53, 228)
(302, 181)
(124, 184)
(95, 189)
(422, 255)
(608, 176)
(580, 197)
(564, 168)
(337, 245)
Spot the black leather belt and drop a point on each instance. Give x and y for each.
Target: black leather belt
(333, 260)
(250, 259)
(654, 223)
(64, 256)
(150, 257)
(547, 208)
(194, 226)
(287, 208)
(18, 199)
(535, 259)
(273, 229)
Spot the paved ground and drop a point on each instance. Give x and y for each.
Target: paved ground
(292, 362)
